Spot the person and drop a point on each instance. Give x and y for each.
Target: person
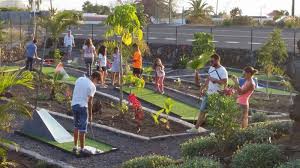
(244, 93)
(137, 61)
(82, 105)
(31, 53)
(89, 52)
(116, 66)
(68, 44)
(160, 74)
(102, 64)
(217, 78)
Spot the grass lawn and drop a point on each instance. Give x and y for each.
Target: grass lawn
(69, 145)
(186, 112)
(50, 72)
(9, 68)
(259, 76)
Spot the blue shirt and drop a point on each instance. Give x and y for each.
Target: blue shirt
(31, 50)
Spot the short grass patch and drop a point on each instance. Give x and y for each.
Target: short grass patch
(9, 68)
(185, 111)
(68, 147)
(49, 71)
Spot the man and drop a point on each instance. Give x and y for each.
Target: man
(82, 105)
(137, 61)
(217, 79)
(31, 53)
(69, 43)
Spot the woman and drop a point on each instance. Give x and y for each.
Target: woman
(102, 64)
(116, 66)
(244, 93)
(89, 53)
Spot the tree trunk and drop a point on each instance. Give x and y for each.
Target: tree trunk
(121, 77)
(197, 78)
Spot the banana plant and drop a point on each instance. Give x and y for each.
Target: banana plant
(198, 63)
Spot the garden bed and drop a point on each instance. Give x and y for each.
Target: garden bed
(104, 113)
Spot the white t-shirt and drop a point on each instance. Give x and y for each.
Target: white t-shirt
(219, 73)
(88, 52)
(84, 88)
(69, 40)
(102, 60)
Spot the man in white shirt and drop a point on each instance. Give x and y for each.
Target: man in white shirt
(68, 44)
(217, 79)
(82, 105)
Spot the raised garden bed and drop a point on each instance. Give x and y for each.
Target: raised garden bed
(104, 113)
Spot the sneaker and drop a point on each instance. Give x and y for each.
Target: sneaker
(84, 152)
(162, 92)
(193, 130)
(75, 149)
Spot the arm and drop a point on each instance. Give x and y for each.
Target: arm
(90, 108)
(247, 88)
(73, 41)
(204, 87)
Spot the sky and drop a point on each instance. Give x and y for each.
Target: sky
(249, 7)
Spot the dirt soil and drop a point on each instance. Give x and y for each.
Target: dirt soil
(259, 101)
(103, 112)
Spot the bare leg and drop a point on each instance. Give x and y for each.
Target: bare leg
(75, 136)
(82, 139)
(113, 78)
(244, 120)
(161, 83)
(201, 119)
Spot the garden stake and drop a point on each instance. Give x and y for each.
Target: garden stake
(92, 130)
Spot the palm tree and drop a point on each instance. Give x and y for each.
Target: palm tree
(11, 107)
(58, 23)
(37, 4)
(199, 9)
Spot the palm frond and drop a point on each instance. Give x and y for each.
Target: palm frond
(16, 78)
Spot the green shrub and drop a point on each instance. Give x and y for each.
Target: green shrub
(257, 156)
(242, 20)
(249, 135)
(227, 22)
(279, 128)
(151, 161)
(290, 164)
(198, 146)
(223, 115)
(259, 117)
(198, 163)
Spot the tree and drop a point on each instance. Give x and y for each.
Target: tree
(88, 7)
(8, 109)
(278, 14)
(58, 23)
(203, 48)
(140, 12)
(158, 8)
(124, 22)
(236, 12)
(272, 55)
(199, 11)
(37, 4)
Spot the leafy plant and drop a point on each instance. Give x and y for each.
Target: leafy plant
(123, 108)
(272, 55)
(198, 163)
(257, 156)
(223, 115)
(290, 164)
(138, 111)
(14, 106)
(148, 72)
(151, 161)
(259, 117)
(168, 105)
(199, 146)
(58, 23)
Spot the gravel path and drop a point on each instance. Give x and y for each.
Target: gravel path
(127, 147)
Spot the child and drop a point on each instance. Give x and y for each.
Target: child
(88, 54)
(116, 66)
(160, 73)
(137, 62)
(102, 65)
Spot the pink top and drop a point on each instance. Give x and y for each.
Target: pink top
(160, 71)
(244, 98)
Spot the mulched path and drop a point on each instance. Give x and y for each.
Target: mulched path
(127, 147)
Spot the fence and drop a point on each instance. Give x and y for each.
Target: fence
(224, 37)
